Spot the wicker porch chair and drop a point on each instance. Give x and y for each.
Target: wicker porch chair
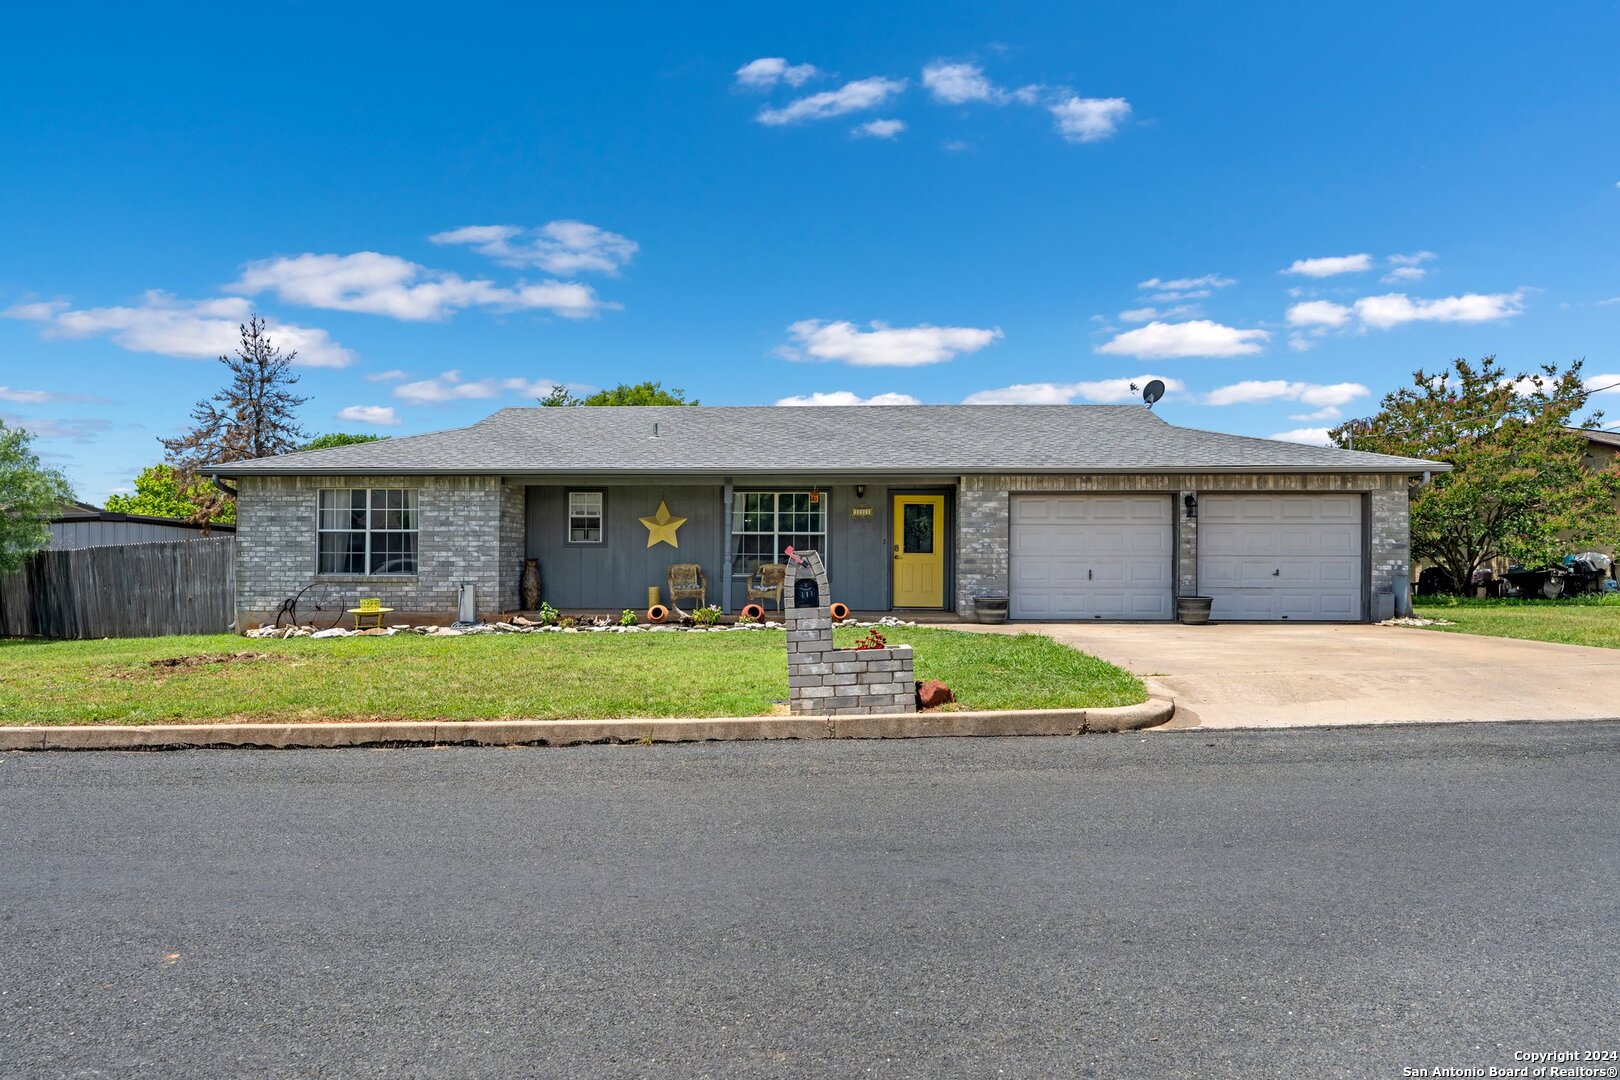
(686, 582)
(766, 583)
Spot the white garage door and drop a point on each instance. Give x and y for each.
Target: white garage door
(1281, 556)
(1092, 557)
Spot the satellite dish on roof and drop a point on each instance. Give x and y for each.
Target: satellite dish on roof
(1152, 392)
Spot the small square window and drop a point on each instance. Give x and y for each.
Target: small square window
(584, 517)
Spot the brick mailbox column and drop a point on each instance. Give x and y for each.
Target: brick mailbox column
(824, 681)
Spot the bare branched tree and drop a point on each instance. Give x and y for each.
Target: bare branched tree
(254, 416)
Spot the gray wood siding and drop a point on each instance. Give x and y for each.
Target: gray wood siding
(615, 574)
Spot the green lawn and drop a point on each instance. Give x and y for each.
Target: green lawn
(496, 676)
(1585, 620)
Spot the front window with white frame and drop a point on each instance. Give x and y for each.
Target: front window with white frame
(585, 517)
(366, 531)
(763, 523)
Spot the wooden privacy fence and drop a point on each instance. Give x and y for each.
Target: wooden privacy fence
(126, 590)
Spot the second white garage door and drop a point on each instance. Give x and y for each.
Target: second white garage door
(1268, 557)
(1092, 557)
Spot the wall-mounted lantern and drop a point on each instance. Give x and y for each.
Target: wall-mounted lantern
(860, 491)
(1190, 501)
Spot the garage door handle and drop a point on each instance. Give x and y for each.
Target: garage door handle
(1088, 575)
(1276, 573)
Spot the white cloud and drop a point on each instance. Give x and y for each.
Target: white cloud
(1319, 313)
(194, 329)
(964, 82)
(557, 247)
(1089, 119)
(389, 285)
(1194, 288)
(1148, 314)
(1200, 337)
(1408, 267)
(767, 71)
(1310, 436)
(847, 397)
(851, 97)
(19, 396)
(1326, 412)
(956, 146)
(883, 345)
(80, 430)
(450, 386)
(1101, 391)
(1251, 391)
(1610, 300)
(879, 129)
(1603, 384)
(369, 414)
(1330, 265)
(395, 375)
(1396, 309)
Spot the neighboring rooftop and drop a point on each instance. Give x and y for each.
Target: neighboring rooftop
(913, 439)
(1601, 437)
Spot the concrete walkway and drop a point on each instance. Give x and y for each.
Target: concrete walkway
(1297, 675)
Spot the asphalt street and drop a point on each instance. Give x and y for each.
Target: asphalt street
(1309, 903)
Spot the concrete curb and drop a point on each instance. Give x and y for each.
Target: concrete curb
(575, 732)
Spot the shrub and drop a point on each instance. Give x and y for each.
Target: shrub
(627, 617)
(707, 616)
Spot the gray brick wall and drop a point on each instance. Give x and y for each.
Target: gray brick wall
(824, 681)
(984, 521)
(470, 528)
(983, 536)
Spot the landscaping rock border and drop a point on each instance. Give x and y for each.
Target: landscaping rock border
(1150, 713)
(521, 625)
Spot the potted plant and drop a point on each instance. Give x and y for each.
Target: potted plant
(990, 609)
(1193, 610)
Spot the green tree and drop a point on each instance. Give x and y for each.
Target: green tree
(339, 438)
(1518, 487)
(159, 493)
(30, 495)
(641, 393)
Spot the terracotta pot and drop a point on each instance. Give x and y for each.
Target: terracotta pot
(840, 612)
(751, 612)
(657, 613)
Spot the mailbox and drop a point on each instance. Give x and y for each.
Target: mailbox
(806, 593)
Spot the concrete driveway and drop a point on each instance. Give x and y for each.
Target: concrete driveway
(1297, 675)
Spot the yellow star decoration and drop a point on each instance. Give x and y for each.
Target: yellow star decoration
(661, 526)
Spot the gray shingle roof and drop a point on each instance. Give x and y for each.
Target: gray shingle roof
(921, 439)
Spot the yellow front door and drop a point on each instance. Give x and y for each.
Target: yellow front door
(919, 551)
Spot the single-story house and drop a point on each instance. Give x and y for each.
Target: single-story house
(80, 525)
(1072, 512)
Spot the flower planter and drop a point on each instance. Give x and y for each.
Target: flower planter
(990, 609)
(1193, 610)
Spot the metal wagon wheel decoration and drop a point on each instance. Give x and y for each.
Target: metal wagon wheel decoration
(317, 604)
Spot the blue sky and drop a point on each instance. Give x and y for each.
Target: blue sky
(1280, 209)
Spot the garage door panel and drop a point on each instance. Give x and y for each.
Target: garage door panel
(1092, 557)
(1269, 557)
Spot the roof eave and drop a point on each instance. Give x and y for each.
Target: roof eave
(1413, 468)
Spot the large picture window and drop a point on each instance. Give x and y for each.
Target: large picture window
(765, 522)
(366, 531)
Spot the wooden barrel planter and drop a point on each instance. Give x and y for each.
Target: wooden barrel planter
(751, 613)
(657, 613)
(840, 612)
